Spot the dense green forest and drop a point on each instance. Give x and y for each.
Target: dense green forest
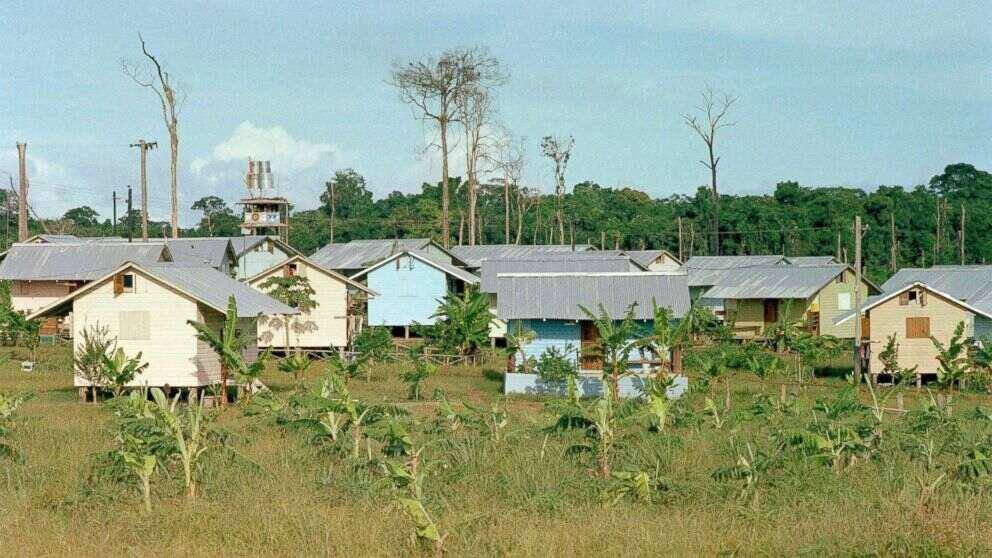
(924, 220)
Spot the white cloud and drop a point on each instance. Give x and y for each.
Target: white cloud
(287, 153)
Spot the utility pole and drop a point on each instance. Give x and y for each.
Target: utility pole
(143, 147)
(893, 251)
(331, 187)
(6, 230)
(857, 299)
(961, 241)
(602, 240)
(681, 245)
(130, 216)
(22, 197)
(114, 222)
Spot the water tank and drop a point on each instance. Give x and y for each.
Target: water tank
(259, 181)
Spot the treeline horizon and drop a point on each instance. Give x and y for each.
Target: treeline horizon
(904, 227)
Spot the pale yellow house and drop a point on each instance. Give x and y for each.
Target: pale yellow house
(655, 260)
(755, 298)
(913, 314)
(146, 308)
(337, 317)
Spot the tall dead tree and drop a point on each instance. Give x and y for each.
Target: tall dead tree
(22, 195)
(171, 95)
(431, 87)
(559, 150)
(481, 74)
(508, 164)
(525, 201)
(474, 110)
(710, 117)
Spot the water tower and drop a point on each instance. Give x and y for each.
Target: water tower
(266, 213)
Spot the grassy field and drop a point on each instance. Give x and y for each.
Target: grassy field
(278, 493)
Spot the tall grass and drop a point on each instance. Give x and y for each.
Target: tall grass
(522, 494)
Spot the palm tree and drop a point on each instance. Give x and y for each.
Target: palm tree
(228, 346)
(616, 339)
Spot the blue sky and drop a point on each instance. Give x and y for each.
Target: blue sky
(853, 93)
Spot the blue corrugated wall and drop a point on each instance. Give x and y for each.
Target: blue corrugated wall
(630, 386)
(407, 295)
(557, 333)
(258, 260)
(550, 333)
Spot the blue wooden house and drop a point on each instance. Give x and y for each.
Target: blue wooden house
(549, 304)
(409, 286)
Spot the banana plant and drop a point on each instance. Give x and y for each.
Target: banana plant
(408, 478)
(120, 370)
(296, 365)
(142, 464)
(229, 346)
(711, 410)
(189, 429)
(8, 407)
(492, 421)
(345, 368)
(637, 484)
(415, 377)
(748, 469)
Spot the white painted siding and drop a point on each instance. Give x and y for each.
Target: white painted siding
(171, 348)
(329, 318)
(664, 263)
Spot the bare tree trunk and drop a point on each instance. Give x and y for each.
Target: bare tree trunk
(506, 209)
(716, 203)
(445, 226)
(471, 211)
(461, 226)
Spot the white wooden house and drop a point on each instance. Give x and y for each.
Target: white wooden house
(337, 317)
(42, 272)
(147, 309)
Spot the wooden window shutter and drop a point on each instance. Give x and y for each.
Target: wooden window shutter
(917, 328)
(923, 298)
(904, 298)
(119, 284)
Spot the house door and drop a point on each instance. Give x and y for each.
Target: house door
(771, 311)
(589, 336)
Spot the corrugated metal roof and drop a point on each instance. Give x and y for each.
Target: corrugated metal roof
(210, 251)
(648, 257)
(473, 255)
(75, 262)
(705, 271)
(558, 296)
(969, 283)
(213, 288)
(811, 260)
(564, 263)
(359, 254)
(451, 270)
(774, 281)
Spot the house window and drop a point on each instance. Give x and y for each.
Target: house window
(135, 325)
(917, 328)
(843, 301)
(289, 270)
(842, 278)
(123, 283)
(915, 296)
